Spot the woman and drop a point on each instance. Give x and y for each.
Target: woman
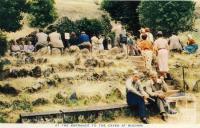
(162, 49)
(28, 47)
(73, 39)
(130, 43)
(191, 45)
(146, 50)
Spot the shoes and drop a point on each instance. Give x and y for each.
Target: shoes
(164, 116)
(144, 120)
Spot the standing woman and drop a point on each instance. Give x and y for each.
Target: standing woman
(146, 50)
(162, 49)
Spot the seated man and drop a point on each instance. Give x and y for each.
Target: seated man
(84, 41)
(136, 96)
(156, 88)
(175, 43)
(14, 47)
(28, 47)
(41, 40)
(56, 41)
(192, 46)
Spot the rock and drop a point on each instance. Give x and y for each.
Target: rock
(74, 49)
(36, 72)
(36, 87)
(120, 56)
(40, 101)
(60, 98)
(81, 69)
(20, 62)
(109, 63)
(23, 73)
(4, 105)
(4, 74)
(85, 51)
(73, 96)
(115, 51)
(9, 90)
(29, 60)
(69, 66)
(56, 51)
(43, 51)
(77, 60)
(51, 82)
(102, 63)
(41, 60)
(116, 93)
(48, 72)
(91, 62)
(14, 73)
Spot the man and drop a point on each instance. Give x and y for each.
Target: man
(85, 41)
(136, 96)
(156, 88)
(174, 43)
(149, 35)
(56, 41)
(41, 40)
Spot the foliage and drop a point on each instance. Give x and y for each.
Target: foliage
(42, 12)
(3, 43)
(124, 11)
(90, 26)
(11, 14)
(167, 16)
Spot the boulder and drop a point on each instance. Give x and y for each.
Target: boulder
(120, 56)
(77, 60)
(36, 87)
(4, 74)
(91, 62)
(74, 49)
(43, 51)
(23, 73)
(40, 101)
(69, 66)
(48, 72)
(73, 97)
(29, 60)
(9, 90)
(85, 51)
(4, 104)
(115, 51)
(36, 72)
(51, 82)
(41, 60)
(56, 51)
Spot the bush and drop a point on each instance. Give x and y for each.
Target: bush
(3, 44)
(42, 12)
(167, 16)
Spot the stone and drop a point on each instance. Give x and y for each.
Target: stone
(74, 49)
(36, 72)
(120, 56)
(41, 60)
(4, 104)
(40, 101)
(43, 51)
(29, 60)
(14, 73)
(85, 51)
(23, 73)
(81, 69)
(77, 60)
(115, 51)
(91, 62)
(4, 74)
(56, 51)
(73, 96)
(48, 72)
(36, 87)
(9, 90)
(69, 66)
(51, 82)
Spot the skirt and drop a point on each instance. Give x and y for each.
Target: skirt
(163, 55)
(148, 54)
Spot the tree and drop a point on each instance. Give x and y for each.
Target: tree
(124, 11)
(42, 12)
(167, 16)
(11, 14)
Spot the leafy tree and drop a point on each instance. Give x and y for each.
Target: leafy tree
(124, 11)
(3, 44)
(42, 12)
(11, 14)
(167, 16)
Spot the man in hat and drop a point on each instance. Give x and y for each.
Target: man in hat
(149, 35)
(136, 96)
(155, 88)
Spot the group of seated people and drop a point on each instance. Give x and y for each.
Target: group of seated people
(151, 93)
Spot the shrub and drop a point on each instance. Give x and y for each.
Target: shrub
(3, 44)
(167, 16)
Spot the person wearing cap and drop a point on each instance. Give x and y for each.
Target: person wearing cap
(84, 41)
(162, 51)
(149, 35)
(146, 48)
(175, 43)
(191, 47)
(136, 96)
(155, 88)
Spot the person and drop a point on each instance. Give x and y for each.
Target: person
(146, 48)
(136, 96)
(73, 40)
(41, 40)
(117, 29)
(14, 47)
(130, 43)
(28, 47)
(161, 47)
(191, 47)
(85, 41)
(174, 43)
(95, 42)
(142, 31)
(155, 88)
(149, 35)
(123, 37)
(105, 42)
(56, 41)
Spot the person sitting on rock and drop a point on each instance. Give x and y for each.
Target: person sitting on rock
(28, 47)
(41, 40)
(155, 88)
(55, 41)
(191, 47)
(84, 41)
(73, 40)
(175, 43)
(14, 47)
(136, 96)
